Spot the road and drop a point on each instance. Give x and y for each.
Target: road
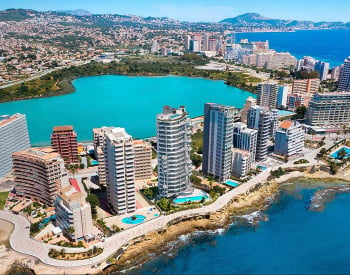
(40, 74)
(20, 239)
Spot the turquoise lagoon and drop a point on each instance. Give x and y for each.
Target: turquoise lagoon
(121, 101)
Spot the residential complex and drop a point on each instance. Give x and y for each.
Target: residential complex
(173, 148)
(267, 94)
(289, 139)
(64, 141)
(120, 171)
(13, 137)
(245, 138)
(329, 110)
(143, 159)
(344, 77)
(217, 140)
(73, 213)
(244, 112)
(306, 86)
(259, 118)
(38, 174)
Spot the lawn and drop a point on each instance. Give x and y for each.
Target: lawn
(3, 197)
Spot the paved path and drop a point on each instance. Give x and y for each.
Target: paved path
(21, 242)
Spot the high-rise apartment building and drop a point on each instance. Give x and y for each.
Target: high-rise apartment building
(64, 141)
(267, 94)
(173, 148)
(245, 138)
(329, 110)
(289, 138)
(187, 42)
(212, 44)
(142, 153)
(282, 96)
(244, 112)
(259, 118)
(344, 77)
(13, 137)
(323, 69)
(306, 86)
(38, 174)
(73, 213)
(120, 171)
(217, 140)
(143, 159)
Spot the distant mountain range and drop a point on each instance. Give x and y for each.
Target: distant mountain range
(242, 22)
(79, 12)
(255, 20)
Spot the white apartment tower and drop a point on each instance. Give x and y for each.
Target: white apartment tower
(173, 147)
(217, 140)
(120, 171)
(13, 137)
(289, 138)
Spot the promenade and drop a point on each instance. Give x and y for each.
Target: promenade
(21, 242)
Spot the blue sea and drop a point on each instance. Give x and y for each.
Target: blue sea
(332, 46)
(294, 240)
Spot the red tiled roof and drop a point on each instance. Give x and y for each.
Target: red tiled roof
(75, 184)
(286, 124)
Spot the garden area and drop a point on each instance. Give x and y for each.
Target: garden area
(3, 198)
(62, 255)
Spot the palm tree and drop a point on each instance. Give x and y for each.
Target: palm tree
(342, 154)
(312, 132)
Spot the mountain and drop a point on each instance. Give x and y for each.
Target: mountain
(79, 12)
(255, 20)
(17, 14)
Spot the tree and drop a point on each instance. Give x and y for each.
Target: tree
(70, 230)
(115, 228)
(196, 159)
(312, 132)
(300, 113)
(342, 153)
(164, 204)
(148, 192)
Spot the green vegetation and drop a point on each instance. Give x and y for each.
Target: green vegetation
(301, 161)
(62, 255)
(94, 202)
(59, 81)
(69, 244)
(34, 228)
(277, 173)
(197, 142)
(300, 113)
(3, 198)
(104, 227)
(150, 192)
(303, 74)
(164, 204)
(195, 180)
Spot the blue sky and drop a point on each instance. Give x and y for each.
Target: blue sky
(200, 10)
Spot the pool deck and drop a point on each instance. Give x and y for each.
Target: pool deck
(338, 149)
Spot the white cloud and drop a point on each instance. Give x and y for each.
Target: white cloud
(194, 12)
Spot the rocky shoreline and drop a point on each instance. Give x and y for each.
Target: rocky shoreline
(248, 206)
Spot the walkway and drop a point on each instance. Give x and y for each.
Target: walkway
(21, 242)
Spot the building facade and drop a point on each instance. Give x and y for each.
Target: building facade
(217, 140)
(13, 137)
(120, 171)
(306, 86)
(241, 162)
(267, 94)
(282, 96)
(344, 76)
(64, 141)
(73, 213)
(173, 148)
(259, 118)
(289, 139)
(329, 110)
(244, 112)
(143, 160)
(245, 138)
(38, 173)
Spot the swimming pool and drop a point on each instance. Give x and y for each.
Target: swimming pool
(94, 162)
(335, 154)
(190, 199)
(231, 183)
(46, 221)
(284, 113)
(261, 167)
(134, 219)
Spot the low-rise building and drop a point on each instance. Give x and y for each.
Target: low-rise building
(241, 162)
(289, 138)
(73, 213)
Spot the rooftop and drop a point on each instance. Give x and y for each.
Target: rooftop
(63, 128)
(6, 119)
(45, 154)
(286, 124)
